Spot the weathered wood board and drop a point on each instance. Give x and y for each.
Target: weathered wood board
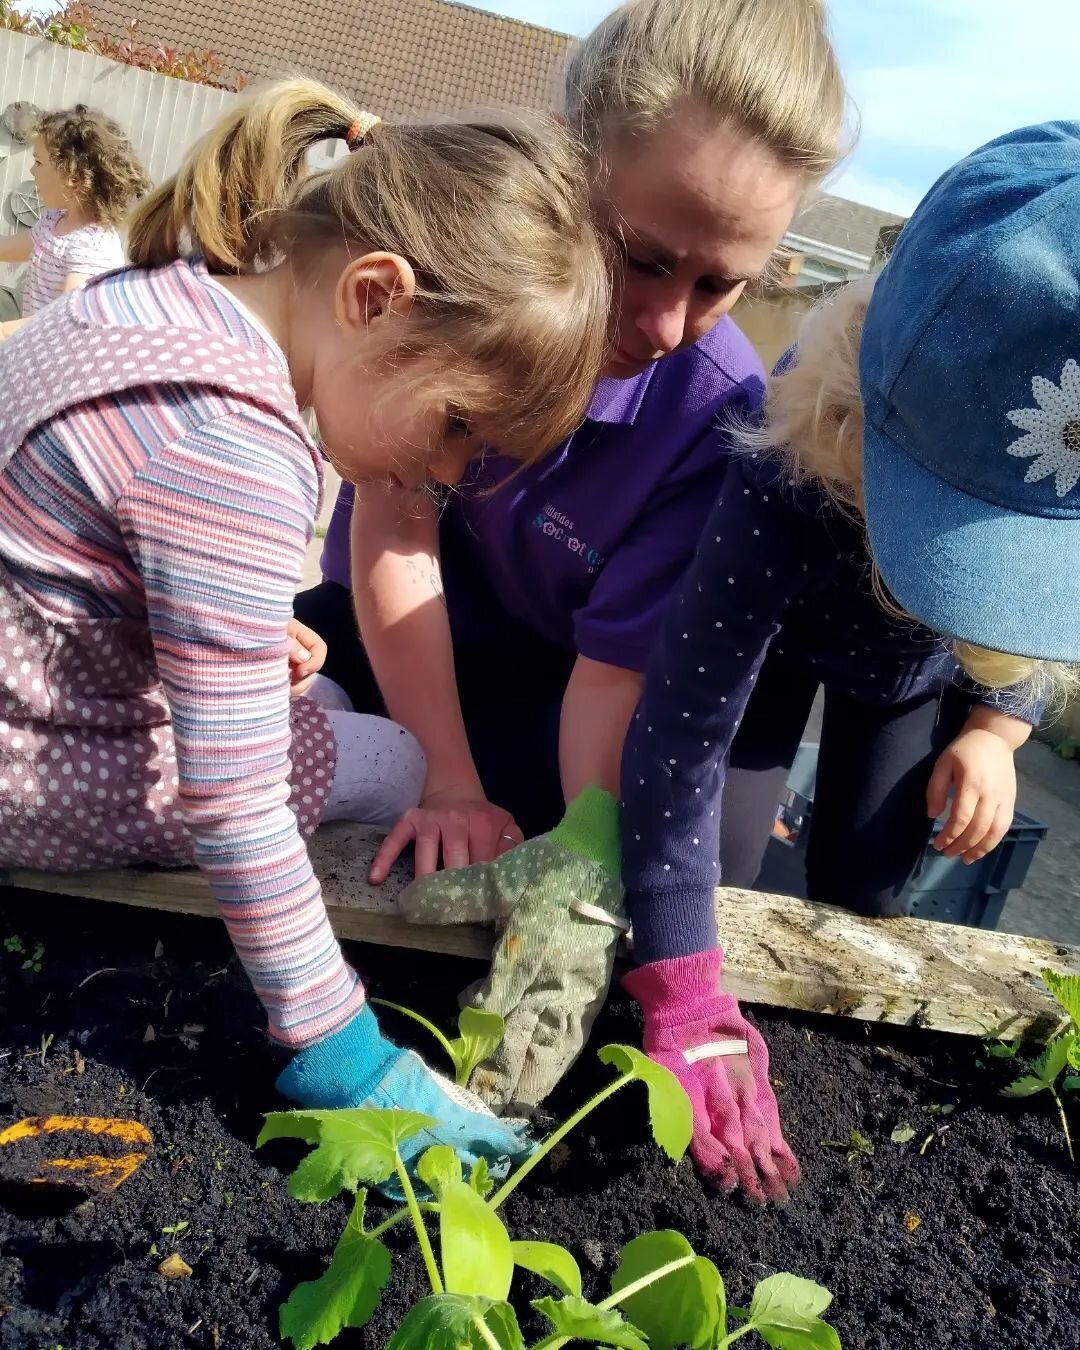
(780, 951)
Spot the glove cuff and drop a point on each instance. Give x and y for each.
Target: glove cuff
(342, 1069)
(590, 828)
(682, 989)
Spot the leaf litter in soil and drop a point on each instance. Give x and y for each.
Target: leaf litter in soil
(992, 1261)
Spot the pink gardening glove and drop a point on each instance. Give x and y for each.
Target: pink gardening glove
(689, 1025)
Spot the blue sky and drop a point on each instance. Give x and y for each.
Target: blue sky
(932, 79)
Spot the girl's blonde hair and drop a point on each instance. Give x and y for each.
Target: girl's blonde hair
(512, 298)
(814, 417)
(765, 66)
(97, 161)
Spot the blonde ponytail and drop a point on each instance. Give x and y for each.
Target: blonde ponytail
(246, 167)
(1050, 682)
(512, 303)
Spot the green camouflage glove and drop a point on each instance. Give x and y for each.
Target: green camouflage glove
(562, 902)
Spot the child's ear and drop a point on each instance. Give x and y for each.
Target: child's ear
(372, 287)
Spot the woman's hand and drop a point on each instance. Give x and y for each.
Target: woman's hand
(307, 652)
(978, 769)
(457, 823)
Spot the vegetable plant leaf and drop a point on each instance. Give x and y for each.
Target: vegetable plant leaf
(1073, 1054)
(481, 1035)
(682, 1307)
(345, 1295)
(353, 1147)
(903, 1133)
(1003, 1049)
(1066, 989)
(1053, 1059)
(476, 1253)
(1072, 1083)
(551, 1263)
(786, 1313)
(1026, 1086)
(583, 1321)
(480, 1178)
(670, 1112)
(438, 1168)
(453, 1322)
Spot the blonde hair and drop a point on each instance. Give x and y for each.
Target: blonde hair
(765, 66)
(813, 417)
(512, 298)
(92, 155)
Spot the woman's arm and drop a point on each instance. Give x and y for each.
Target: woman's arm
(397, 591)
(599, 701)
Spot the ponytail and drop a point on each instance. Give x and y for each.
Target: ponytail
(244, 169)
(513, 292)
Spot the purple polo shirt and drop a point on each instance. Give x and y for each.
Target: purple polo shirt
(584, 547)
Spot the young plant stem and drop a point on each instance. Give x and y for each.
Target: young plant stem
(403, 1213)
(485, 1332)
(1064, 1124)
(513, 1182)
(416, 1017)
(434, 1278)
(730, 1340)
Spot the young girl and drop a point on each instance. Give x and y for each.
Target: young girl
(442, 288)
(87, 177)
(784, 595)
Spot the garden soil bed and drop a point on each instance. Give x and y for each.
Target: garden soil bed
(994, 1259)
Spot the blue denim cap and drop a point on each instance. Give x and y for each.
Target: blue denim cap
(970, 375)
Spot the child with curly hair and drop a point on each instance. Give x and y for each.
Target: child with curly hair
(88, 177)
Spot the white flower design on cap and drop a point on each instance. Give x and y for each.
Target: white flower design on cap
(1053, 430)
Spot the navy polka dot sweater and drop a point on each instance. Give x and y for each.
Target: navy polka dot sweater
(777, 563)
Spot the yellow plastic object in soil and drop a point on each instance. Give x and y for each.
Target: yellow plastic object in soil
(31, 1141)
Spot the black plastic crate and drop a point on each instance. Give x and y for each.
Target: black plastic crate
(942, 888)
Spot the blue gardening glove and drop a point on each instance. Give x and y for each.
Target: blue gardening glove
(561, 901)
(358, 1066)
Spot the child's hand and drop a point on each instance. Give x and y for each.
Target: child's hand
(306, 656)
(978, 768)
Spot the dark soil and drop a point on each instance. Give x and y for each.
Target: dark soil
(994, 1260)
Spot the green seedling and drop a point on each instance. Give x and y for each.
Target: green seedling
(662, 1295)
(903, 1133)
(480, 1034)
(1060, 1054)
(175, 1229)
(856, 1145)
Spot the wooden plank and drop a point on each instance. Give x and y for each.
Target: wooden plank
(780, 951)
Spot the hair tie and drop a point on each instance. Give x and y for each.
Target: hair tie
(360, 129)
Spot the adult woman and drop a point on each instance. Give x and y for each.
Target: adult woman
(708, 119)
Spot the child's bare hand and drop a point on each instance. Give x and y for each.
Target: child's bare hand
(307, 653)
(978, 769)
